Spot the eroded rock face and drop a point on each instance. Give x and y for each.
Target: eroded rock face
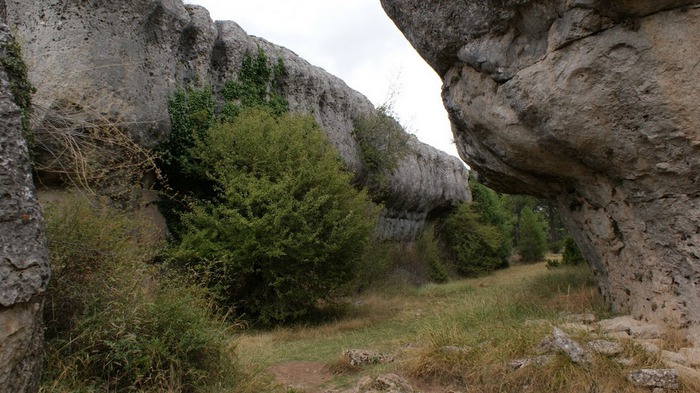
(594, 104)
(133, 54)
(24, 267)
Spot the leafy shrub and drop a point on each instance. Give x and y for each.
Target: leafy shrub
(110, 324)
(383, 143)
(474, 245)
(533, 242)
(428, 250)
(572, 254)
(192, 112)
(286, 228)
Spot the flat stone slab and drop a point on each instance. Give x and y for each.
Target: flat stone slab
(605, 347)
(666, 378)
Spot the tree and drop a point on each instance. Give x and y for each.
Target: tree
(286, 229)
(533, 243)
(572, 254)
(474, 245)
(490, 207)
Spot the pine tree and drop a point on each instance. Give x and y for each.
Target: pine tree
(533, 242)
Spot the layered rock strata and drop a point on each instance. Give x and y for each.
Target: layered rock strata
(594, 104)
(130, 55)
(24, 269)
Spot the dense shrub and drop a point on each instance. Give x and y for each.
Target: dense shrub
(475, 246)
(111, 325)
(428, 249)
(192, 112)
(286, 228)
(572, 254)
(492, 211)
(383, 142)
(533, 242)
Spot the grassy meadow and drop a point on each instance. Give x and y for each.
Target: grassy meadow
(492, 319)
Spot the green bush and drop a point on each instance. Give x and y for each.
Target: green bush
(383, 142)
(286, 228)
(111, 325)
(474, 245)
(192, 112)
(533, 242)
(492, 211)
(428, 249)
(572, 254)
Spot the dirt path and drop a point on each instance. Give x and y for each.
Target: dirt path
(307, 375)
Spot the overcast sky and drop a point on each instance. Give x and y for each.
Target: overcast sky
(356, 41)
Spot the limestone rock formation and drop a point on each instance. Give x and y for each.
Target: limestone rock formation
(138, 52)
(594, 104)
(24, 269)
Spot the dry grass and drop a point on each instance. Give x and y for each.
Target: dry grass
(484, 318)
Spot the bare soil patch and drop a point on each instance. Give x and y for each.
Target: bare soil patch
(308, 375)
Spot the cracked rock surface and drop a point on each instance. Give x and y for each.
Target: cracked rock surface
(137, 52)
(593, 104)
(24, 268)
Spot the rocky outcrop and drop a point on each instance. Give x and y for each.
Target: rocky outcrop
(138, 52)
(594, 104)
(24, 267)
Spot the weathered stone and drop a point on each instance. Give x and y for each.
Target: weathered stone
(593, 104)
(674, 357)
(560, 341)
(651, 346)
(586, 318)
(605, 347)
(618, 324)
(645, 331)
(24, 269)
(692, 356)
(390, 383)
(139, 52)
(363, 357)
(688, 374)
(619, 335)
(655, 378)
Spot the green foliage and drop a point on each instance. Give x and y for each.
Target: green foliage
(475, 246)
(110, 324)
(192, 113)
(533, 243)
(572, 254)
(257, 86)
(13, 64)
(491, 209)
(286, 228)
(428, 250)
(383, 143)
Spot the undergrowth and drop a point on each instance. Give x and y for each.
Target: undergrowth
(115, 323)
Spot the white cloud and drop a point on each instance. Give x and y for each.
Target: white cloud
(356, 41)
